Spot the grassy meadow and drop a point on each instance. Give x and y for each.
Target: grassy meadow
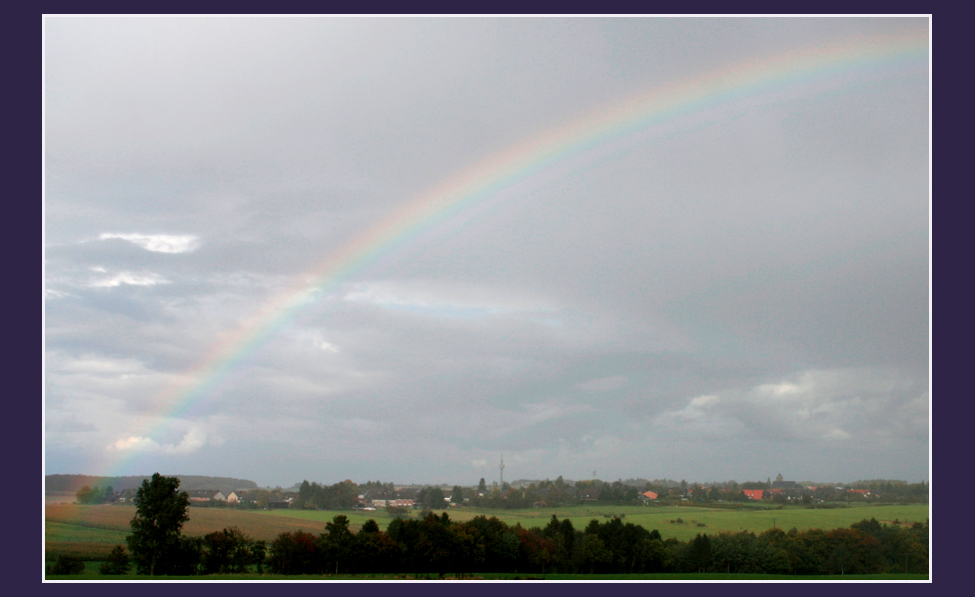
(90, 532)
(110, 523)
(714, 520)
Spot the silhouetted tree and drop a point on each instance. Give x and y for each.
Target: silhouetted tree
(161, 510)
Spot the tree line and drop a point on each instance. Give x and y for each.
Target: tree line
(436, 544)
(96, 495)
(340, 496)
(562, 493)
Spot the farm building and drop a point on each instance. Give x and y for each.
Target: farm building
(392, 503)
(206, 495)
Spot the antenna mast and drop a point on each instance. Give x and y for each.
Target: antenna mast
(501, 468)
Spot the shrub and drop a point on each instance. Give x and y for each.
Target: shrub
(65, 564)
(118, 562)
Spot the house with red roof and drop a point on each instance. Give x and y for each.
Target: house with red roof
(753, 494)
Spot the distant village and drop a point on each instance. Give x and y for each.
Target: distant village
(375, 495)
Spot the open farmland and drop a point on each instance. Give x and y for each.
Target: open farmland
(91, 531)
(73, 523)
(715, 520)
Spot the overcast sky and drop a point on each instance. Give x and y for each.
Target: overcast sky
(727, 297)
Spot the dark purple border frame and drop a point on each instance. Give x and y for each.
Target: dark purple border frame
(23, 96)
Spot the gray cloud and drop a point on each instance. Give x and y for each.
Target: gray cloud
(726, 294)
(160, 243)
(858, 405)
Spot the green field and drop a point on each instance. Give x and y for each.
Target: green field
(110, 524)
(80, 533)
(90, 532)
(715, 520)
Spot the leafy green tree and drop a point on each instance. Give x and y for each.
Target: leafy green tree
(536, 551)
(259, 498)
(730, 551)
(240, 549)
(305, 495)
(481, 486)
(161, 511)
(699, 554)
(855, 552)
(457, 495)
(649, 555)
(118, 562)
(562, 535)
(342, 496)
(216, 553)
(593, 553)
(840, 560)
(374, 550)
(370, 526)
(85, 495)
(228, 550)
(870, 527)
(810, 551)
(432, 498)
(294, 553)
(259, 553)
(337, 544)
(185, 558)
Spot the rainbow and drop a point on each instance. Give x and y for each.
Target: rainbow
(810, 70)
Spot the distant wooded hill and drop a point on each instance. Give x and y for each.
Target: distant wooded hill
(72, 483)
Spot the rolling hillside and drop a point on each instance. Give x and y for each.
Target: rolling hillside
(72, 483)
